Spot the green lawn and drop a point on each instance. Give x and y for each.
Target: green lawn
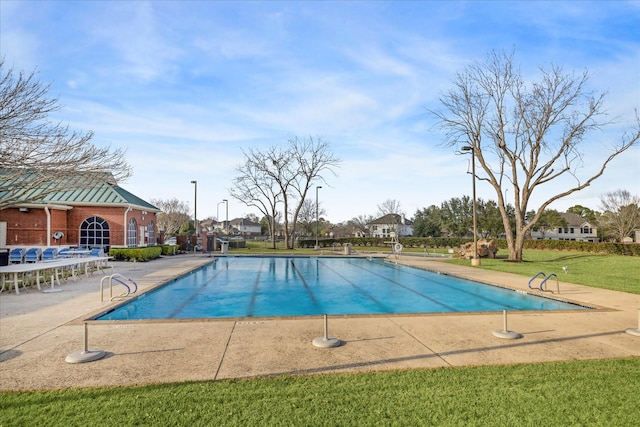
(601, 392)
(598, 392)
(615, 272)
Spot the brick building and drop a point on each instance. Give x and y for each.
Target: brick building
(98, 213)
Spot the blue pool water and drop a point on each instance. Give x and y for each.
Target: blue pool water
(296, 286)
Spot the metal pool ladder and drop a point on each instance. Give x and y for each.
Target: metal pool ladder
(119, 279)
(544, 281)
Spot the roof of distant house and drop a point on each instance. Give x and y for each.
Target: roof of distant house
(391, 219)
(574, 220)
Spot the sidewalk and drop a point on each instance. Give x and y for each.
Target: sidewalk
(38, 330)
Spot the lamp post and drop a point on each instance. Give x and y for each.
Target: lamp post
(226, 217)
(218, 211)
(317, 217)
(195, 209)
(475, 260)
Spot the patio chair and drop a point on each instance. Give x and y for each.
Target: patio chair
(65, 253)
(16, 256)
(96, 252)
(50, 254)
(33, 255)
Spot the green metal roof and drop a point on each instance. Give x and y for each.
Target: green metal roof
(80, 189)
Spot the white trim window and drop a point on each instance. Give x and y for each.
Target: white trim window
(151, 233)
(132, 233)
(94, 232)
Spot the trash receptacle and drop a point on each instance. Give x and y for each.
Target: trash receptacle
(4, 256)
(347, 248)
(224, 247)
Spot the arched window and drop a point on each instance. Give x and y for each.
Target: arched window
(94, 233)
(132, 233)
(151, 234)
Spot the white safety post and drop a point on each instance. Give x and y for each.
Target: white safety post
(85, 355)
(635, 331)
(325, 341)
(506, 333)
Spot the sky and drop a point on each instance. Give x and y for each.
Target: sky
(187, 86)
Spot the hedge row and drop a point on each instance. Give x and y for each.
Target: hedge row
(136, 254)
(170, 249)
(453, 242)
(409, 242)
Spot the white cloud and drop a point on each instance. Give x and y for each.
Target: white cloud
(185, 86)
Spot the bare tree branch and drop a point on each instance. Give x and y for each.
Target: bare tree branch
(36, 153)
(527, 135)
(621, 213)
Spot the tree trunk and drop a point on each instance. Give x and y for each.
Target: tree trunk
(273, 232)
(516, 246)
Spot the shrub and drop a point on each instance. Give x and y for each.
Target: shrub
(456, 242)
(170, 249)
(136, 254)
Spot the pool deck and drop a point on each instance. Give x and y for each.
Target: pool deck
(38, 330)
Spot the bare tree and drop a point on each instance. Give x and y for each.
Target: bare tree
(38, 157)
(359, 225)
(526, 136)
(285, 176)
(173, 216)
(621, 213)
(312, 157)
(393, 215)
(307, 216)
(389, 206)
(255, 188)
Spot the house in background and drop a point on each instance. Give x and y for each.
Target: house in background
(236, 227)
(390, 225)
(97, 213)
(577, 229)
(244, 227)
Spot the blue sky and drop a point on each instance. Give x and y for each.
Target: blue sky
(185, 86)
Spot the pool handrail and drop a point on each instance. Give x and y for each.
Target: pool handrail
(116, 277)
(535, 277)
(541, 287)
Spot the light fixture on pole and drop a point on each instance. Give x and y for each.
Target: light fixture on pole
(195, 210)
(475, 260)
(317, 217)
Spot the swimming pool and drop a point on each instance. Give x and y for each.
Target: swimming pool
(303, 286)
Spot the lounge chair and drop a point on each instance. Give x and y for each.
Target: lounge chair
(65, 253)
(16, 256)
(33, 255)
(96, 252)
(50, 254)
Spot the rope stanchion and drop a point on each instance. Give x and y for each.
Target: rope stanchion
(635, 331)
(326, 341)
(506, 333)
(86, 355)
